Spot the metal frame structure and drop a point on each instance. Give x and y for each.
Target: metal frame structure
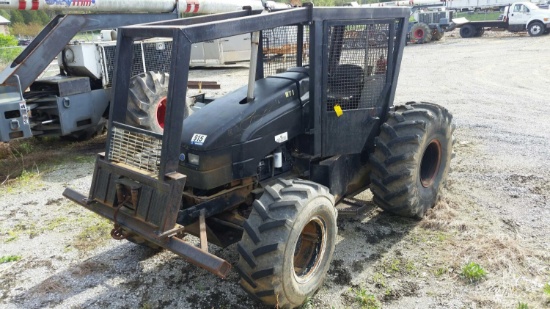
(168, 183)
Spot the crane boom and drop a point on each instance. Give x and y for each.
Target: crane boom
(133, 6)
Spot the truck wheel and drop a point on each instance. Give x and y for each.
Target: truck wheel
(288, 242)
(479, 32)
(411, 158)
(536, 28)
(437, 34)
(467, 31)
(421, 33)
(147, 101)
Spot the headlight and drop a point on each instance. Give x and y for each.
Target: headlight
(193, 159)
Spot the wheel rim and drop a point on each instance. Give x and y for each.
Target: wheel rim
(161, 112)
(536, 29)
(419, 33)
(309, 249)
(429, 166)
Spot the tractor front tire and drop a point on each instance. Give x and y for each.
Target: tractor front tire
(421, 33)
(411, 158)
(437, 34)
(288, 242)
(147, 101)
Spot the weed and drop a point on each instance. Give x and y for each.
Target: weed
(473, 272)
(522, 306)
(366, 300)
(546, 289)
(55, 223)
(9, 258)
(96, 230)
(379, 280)
(440, 271)
(308, 303)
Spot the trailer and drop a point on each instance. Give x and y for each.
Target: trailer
(517, 17)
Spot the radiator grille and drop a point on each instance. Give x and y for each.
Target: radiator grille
(357, 71)
(157, 58)
(135, 149)
(280, 49)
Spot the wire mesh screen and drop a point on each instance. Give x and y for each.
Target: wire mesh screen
(280, 48)
(156, 55)
(135, 149)
(357, 65)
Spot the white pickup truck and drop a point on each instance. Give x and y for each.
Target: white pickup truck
(518, 16)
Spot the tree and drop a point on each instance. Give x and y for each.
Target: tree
(16, 17)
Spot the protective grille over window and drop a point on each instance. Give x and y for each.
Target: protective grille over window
(280, 48)
(358, 62)
(135, 149)
(157, 56)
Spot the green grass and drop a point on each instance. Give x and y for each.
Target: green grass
(366, 300)
(522, 306)
(478, 16)
(473, 272)
(546, 289)
(9, 258)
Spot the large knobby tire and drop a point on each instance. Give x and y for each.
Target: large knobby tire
(536, 28)
(147, 101)
(411, 158)
(437, 34)
(288, 242)
(467, 31)
(421, 33)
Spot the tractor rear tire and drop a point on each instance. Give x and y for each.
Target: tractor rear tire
(467, 31)
(411, 158)
(421, 33)
(288, 243)
(147, 101)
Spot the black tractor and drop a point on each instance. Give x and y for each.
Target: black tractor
(267, 166)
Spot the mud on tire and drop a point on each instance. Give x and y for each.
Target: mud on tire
(411, 158)
(288, 242)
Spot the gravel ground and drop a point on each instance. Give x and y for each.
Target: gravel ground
(495, 212)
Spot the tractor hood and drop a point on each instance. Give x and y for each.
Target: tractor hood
(231, 120)
(228, 137)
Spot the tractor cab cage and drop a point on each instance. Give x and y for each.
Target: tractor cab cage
(351, 56)
(354, 53)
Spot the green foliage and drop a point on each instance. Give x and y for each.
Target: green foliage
(9, 258)
(366, 300)
(473, 272)
(308, 303)
(477, 16)
(5, 14)
(546, 289)
(16, 17)
(8, 48)
(7, 40)
(522, 305)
